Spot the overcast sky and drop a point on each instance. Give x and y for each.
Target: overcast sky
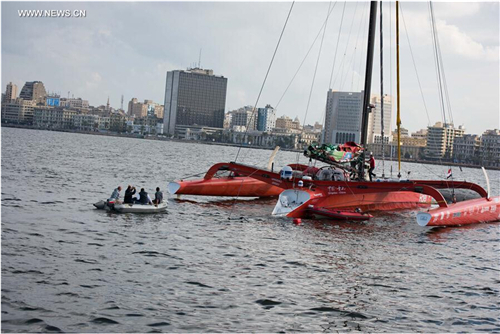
(127, 48)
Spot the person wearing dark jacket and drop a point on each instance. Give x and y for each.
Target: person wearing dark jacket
(128, 195)
(158, 196)
(144, 197)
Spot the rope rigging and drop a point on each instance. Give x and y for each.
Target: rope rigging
(264, 82)
(305, 57)
(415, 67)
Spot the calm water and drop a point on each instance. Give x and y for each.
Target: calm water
(220, 265)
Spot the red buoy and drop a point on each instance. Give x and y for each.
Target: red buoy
(297, 221)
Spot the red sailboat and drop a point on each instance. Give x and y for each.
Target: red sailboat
(303, 195)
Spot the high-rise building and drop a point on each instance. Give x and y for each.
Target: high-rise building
(194, 96)
(343, 117)
(10, 92)
(375, 119)
(266, 120)
(440, 138)
(35, 91)
(244, 117)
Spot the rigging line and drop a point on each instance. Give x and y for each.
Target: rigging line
(347, 46)
(263, 83)
(337, 46)
(307, 54)
(341, 69)
(415, 67)
(355, 50)
(314, 75)
(436, 60)
(450, 115)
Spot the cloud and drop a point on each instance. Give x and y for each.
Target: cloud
(456, 41)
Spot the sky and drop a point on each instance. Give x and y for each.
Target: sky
(126, 48)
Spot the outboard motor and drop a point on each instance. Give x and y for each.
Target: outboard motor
(286, 173)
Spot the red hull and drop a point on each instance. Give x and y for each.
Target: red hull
(338, 215)
(228, 186)
(367, 202)
(474, 211)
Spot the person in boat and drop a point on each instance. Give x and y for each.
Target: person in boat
(158, 196)
(144, 197)
(372, 167)
(136, 198)
(115, 195)
(129, 193)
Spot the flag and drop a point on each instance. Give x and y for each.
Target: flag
(449, 174)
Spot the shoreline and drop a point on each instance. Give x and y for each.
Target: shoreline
(164, 138)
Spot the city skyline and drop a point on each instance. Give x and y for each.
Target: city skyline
(106, 60)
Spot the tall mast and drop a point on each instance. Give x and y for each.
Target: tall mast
(398, 118)
(368, 81)
(382, 90)
(369, 67)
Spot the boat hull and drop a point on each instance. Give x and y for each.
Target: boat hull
(239, 186)
(296, 203)
(337, 215)
(474, 211)
(140, 208)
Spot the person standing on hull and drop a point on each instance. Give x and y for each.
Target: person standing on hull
(158, 196)
(372, 167)
(144, 197)
(129, 193)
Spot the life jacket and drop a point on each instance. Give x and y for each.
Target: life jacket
(143, 197)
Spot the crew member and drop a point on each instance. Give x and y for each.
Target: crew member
(372, 167)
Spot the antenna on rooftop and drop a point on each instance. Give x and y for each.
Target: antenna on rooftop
(199, 60)
(122, 103)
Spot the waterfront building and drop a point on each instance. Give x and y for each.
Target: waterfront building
(403, 133)
(375, 119)
(18, 111)
(74, 103)
(53, 118)
(86, 122)
(422, 133)
(143, 109)
(285, 122)
(244, 117)
(490, 148)
(35, 91)
(117, 122)
(343, 117)
(194, 96)
(308, 137)
(466, 148)
(440, 138)
(266, 119)
(10, 93)
(228, 119)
